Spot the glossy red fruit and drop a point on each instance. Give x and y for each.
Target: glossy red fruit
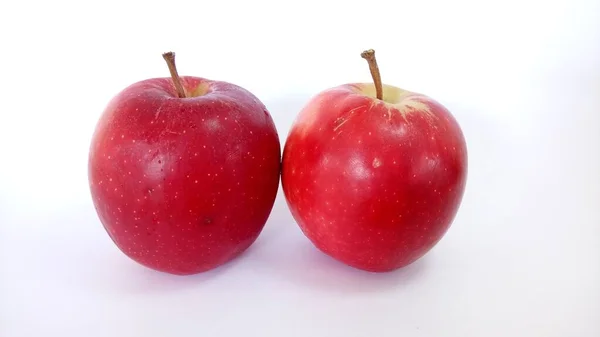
(183, 185)
(374, 183)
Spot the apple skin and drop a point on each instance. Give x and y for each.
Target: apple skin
(184, 185)
(374, 183)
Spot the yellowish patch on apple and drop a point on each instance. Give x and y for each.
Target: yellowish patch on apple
(201, 90)
(397, 99)
(391, 94)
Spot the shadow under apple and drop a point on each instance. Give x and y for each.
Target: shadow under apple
(284, 251)
(83, 256)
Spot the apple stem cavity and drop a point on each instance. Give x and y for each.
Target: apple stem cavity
(369, 55)
(170, 59)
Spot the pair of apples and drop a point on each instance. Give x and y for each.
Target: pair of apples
(184, 172)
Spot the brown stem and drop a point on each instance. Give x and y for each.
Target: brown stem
(369, 55)
(170, 59)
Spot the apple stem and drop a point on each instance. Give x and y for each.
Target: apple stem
(369, 55)
(170, 59)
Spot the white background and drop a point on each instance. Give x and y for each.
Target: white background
(522, 77)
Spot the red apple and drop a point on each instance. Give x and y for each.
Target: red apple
(184, 171)
(374, 174)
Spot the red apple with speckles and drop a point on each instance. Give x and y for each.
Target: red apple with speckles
(184, 171)
(374, 174)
